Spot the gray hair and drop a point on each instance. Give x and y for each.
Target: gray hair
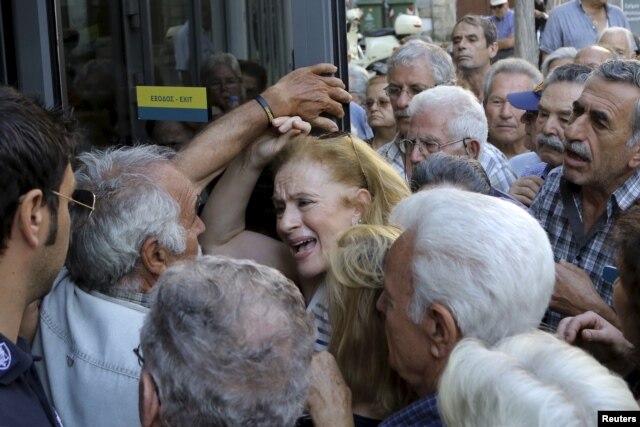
(413, 51)
(511, 66)
(625, 31)
(358, 80)
(623, 71)
(443, 168)
(560, 53)
(528, 379)
(467, 119)
(228, 343)
(130, 207)
(222, 58)
(571, 73)
(451, 264)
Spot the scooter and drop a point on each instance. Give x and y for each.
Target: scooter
(380, 44)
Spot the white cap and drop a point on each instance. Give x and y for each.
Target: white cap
(497, 2)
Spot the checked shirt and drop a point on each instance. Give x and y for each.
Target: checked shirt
(423, 413)
(553, 206)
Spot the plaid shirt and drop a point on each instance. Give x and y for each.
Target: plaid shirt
(394, 153)
(496, 164)
(593, 251)
(421, 413)
(129, 296)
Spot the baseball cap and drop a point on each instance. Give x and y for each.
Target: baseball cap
(497, 2)
(526, 100)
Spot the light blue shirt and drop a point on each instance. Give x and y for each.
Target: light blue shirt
(89, 370)
(569, 25)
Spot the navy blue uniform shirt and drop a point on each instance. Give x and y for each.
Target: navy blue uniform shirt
(22, 398)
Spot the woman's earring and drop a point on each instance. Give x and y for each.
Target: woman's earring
(355, 221)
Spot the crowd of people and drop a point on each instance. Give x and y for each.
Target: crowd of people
(468, 255)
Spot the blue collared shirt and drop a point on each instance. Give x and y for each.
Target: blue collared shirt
(421, 413)
(569, 25)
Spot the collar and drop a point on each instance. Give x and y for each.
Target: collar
(130, 296)
(15, 359)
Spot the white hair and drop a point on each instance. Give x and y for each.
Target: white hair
(612, 30)
(487, 260)
(467, 118)
(529, 379)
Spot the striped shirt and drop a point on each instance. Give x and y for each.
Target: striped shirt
(319, 308)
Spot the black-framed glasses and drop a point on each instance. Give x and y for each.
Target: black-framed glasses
(430, 146)
(83, 203)
(138, 354)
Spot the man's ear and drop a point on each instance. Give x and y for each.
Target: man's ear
(155, 258)
(493, 49)
(30, 218)
(441, 327)
(634, 163)
(473, 148)
(148, 402)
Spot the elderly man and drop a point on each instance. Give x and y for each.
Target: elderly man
(474, 45)
(450, 119)
(581, 201)
(619, 40)
(226, 342)
(504, 19)
(413, 68)
(506, 131)
(578, 23)
(594, 55)
(466, 266)
(37, 188)
(146, 220)
(553, 104)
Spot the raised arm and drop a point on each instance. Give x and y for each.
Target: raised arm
(225, 210)
(306, 92)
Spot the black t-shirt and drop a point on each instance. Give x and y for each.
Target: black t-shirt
(22, 398)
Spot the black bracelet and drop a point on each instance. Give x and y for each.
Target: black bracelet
(266, 108)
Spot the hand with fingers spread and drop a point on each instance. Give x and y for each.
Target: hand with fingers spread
(599, 337)
(308, 92)
(526, 189)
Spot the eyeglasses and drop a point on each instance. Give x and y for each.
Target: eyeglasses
(138, 354)
(382, 103)
(430, 146)
(394, 91)
(217, 84)
(83, 203)
(353, 146)
(499, 6)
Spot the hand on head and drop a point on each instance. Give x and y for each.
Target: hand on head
(309, 92)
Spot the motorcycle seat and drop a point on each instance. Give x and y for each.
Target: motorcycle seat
(380, 32)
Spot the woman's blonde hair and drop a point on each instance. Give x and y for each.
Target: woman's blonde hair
(351, 162)
(358, 339)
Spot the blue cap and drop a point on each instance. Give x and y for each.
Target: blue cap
(526, 100)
